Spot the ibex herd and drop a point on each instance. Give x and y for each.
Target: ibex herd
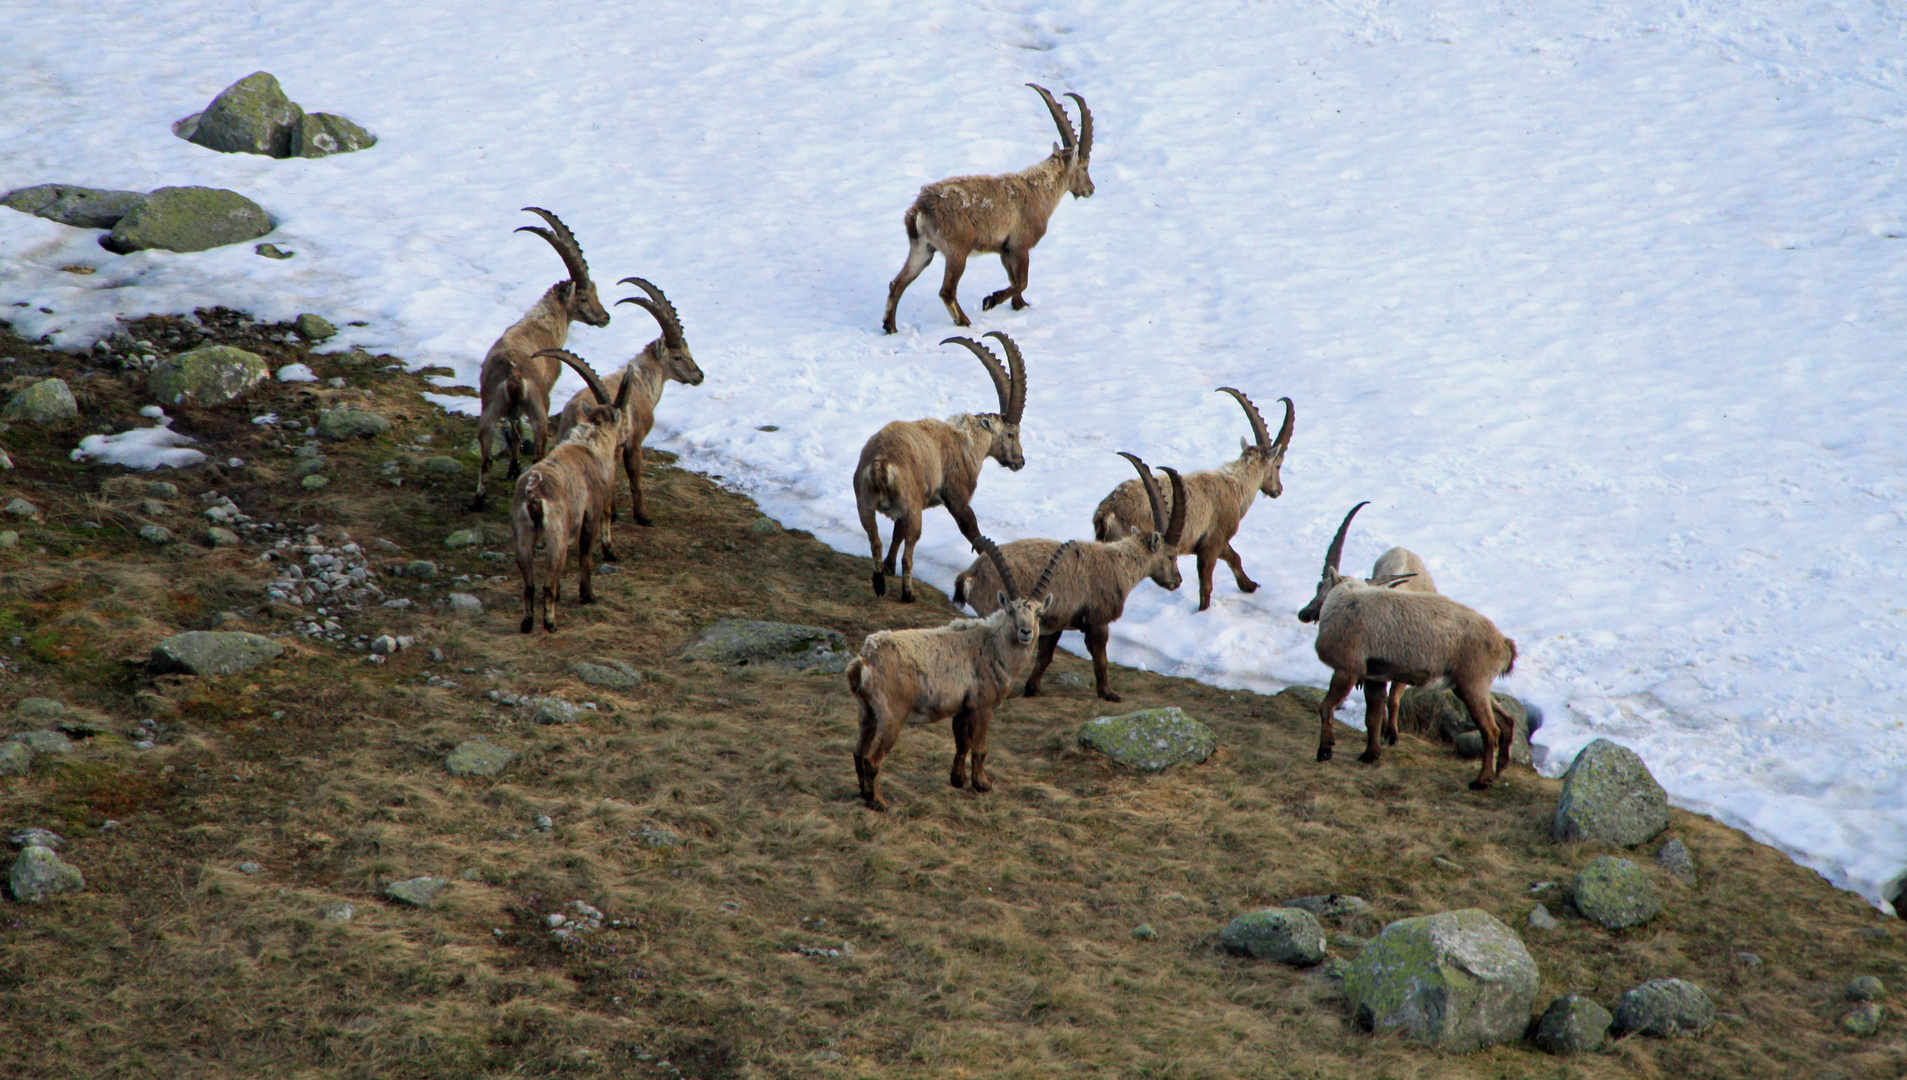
(1383, 633)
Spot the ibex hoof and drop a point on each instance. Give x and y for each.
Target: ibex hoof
(477, 504)
(990, 303)
(1479, 785)
(880, 583)
(515, 471)
(982, 786)
(549, 625)
(1367, 758)
(1324, 753)
(1248, 586)
(1390, 738)
(887, 327)
(526, 626)
(1110, 696)
(610, 556)
(877, 804)
(1032, 690)
(956, 780)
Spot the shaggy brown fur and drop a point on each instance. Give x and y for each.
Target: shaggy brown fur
(1406, 572)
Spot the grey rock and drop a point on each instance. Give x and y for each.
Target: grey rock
(39, 708)
(1332, 905)
(1664, 1007)
(70, 204)
(207, 375)
(251, 116)
(352, 424)
(463, 603)
(15, 759)
(658, 836)
(273, 251)
(1541, 919)
(544, 822)
(33, 836)
(1283, 935)
(789, 645)
(314, 482)
(385, 645)
(1456, 980)
(39, 873)
(218, 537)
(187, 219)
(340, 912)
(1674, 858)
(1442, 714)
(476, 757)
(1864, 1020)
(1615, 893)
(551, 710)
(250, 868)
(22, 508)
(1348, 942)
(155, 534)
(45, 742)
(310, 466)
(443, 466)
(1149, 740)
(609, 674)
(1308, 698)
(764, 525)
(422, 569)
(323, 134)
(1573, 1025)
(162, 489)
(417, 891)
(48, 403)
(1748, 959)
(1609, 795)
(313, 327)
(213, 652)
(1866, 988)
(9, 538)
(464, 538)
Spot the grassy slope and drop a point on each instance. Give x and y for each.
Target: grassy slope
(991, 935)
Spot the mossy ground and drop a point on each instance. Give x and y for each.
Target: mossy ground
(991, 936)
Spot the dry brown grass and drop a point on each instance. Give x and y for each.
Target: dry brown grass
(991, 935)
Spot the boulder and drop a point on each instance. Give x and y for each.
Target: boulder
(1675, 859)
(1866, 988)
(251, 116)
(1284, 935)
(1664, 1007)
(351, 424)
(39, 873)
(323, 134)
(609, 674)
(45, 742)
(218, 537)
(34, 836)
(1572, 1025)
(788, 645)
(39, 708)
(186, 219)
(476, 757)
(208, 375)
(68, 204)
(417, 891)
(1615, 893)
(313, 327)
(464, 604)
(15, 759)
(213, 652)
(1609, 795)
(48, 403)
(1441, 714)
(1456, 980)
(1149, 740)
(1864, 1020)
(1541, 919)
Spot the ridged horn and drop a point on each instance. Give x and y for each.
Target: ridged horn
(662, 310)
(1337, 543)
(1085, 128)
(992, 551)
(1283, 441)
(1152, 490)
(563, 241)
(1251, 413)
(1066, 140)
(1052, 564)
(1001, 385)
(1016, 374)
(583, 369)
(1176, 527)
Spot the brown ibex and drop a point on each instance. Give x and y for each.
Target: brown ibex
(517, 374)
(667, 357)
(1370, 633)
(911, 465)
(1006, 214)
(1217, 500)
(566, 497)
(1401, 569)
(1091, 585)
(963, 669)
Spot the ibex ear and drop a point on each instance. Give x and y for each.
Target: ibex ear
(1000, 598)
(1046, 605)
(569, 292)
(1393, 581)
(1243, 445)
(988, 423)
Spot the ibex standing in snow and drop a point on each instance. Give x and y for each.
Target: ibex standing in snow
(1371, 633)
(1404, 571)
(1216, 500)
(517, 376)
(964, 214)
(910, 465)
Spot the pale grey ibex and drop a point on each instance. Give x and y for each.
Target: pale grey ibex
(910, 465)
(1091, 585)
(1370, 633)
(963, 669)
(1006, 214)
(1401, 569)
(667, 357)
(517, 373)
(1217, 500)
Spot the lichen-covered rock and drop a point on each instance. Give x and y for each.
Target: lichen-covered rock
(1150, 739)
(476, 757)
(313, 327)
(251, 116)
(1456, 980)
(464, 538)
(70, 204)
(218, 537)
(45, 742)
(20, 508)
(1675, 859)
(1442, 714)
(464, 604)
(554, 711)
(39, 873)
(417, 891)
(351, 424)
(1282, 935)
(208, 375)
(1866, 988)
(1306, 697)
(443, 466)
(15, 759)
(609, 674)
(34, 836)
(323, 134)
(48, 403)
(1573, 1025)
(186, 219)
(213, 652)
(1615, 893)
(789, 645)
(1664, 1007)
(155, 534)
(39, 708)
(1610, 795)
(1864, 1020)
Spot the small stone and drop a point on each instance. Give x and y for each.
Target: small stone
(313, 327)
(1870, 933)
(1664, 1007)
(476, 757)
(34, 836)
(417, 891)
(444, 466)
(1674, 858)
(1573, 1025)
(6, 462)
(764, 525)
(609, 674)
(385, 645)
(1285, 935)
(161, 489)
(273, 251)
(39, 873)
(1748, 959)
(1150, 739)
(337, 912)
(155, 534)
(213, 652)
(22, 509)
(1332, 905)
(45, 742)
(422, 569)
(219, 537)
(9, 538)
(1145, 932)
(464, 538)
(1615, 893)
(544, 823)
(554, 711)
(39, 708)
(789, 645)
(464, 604)
(1866, 988)
(351, 424)
(313, 482)
(1865, 1020)
(1348, 942)
(15, 759)
(250, 868)
(1541, 919)
(49, 403)
(657, 836)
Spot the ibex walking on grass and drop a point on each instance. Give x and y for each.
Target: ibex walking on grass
(1402, 570)
(1006, 214)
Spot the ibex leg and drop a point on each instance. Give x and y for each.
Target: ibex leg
(911, 524)
(962, 722)
(919, 254)
(1393, 706)
(1096, 636)
(1230, 555)
(1483, 711)
(1373, 720)
(878, 734)
(1207, 562)
(977, 739)
(1048, 642)
(1016, 263)
(1341, 683)
(632, 464)
(949, 288)
(516, 444)
(873, 528)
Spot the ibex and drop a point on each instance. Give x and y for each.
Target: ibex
(1218, 500)
(1371, 633)
(910, 465)
(963, 669)
(1401, 569)
(1091, 585)
(964, 214)
(667, 357)
(517, 374)
(566, 497)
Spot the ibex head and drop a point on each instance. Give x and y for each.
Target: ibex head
(1009, 385)
(1332, 579)
(605, 412)
(1266, 450)
(1077, 151)
(579, 293)
(677, 362)
(1025, 612)
(1163, 540)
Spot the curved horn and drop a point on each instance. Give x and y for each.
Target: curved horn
(1337, 542)
(1085, 128)
(649, 306)
(1284, 431)
(663, 310)
(1152, 490)
(583, 369)
(1176, 527)
(1066, 140)
(1251, 413)
(1016, 374)
(1052, 564)
(992, 551)
(563, 241)
(1001, 385)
